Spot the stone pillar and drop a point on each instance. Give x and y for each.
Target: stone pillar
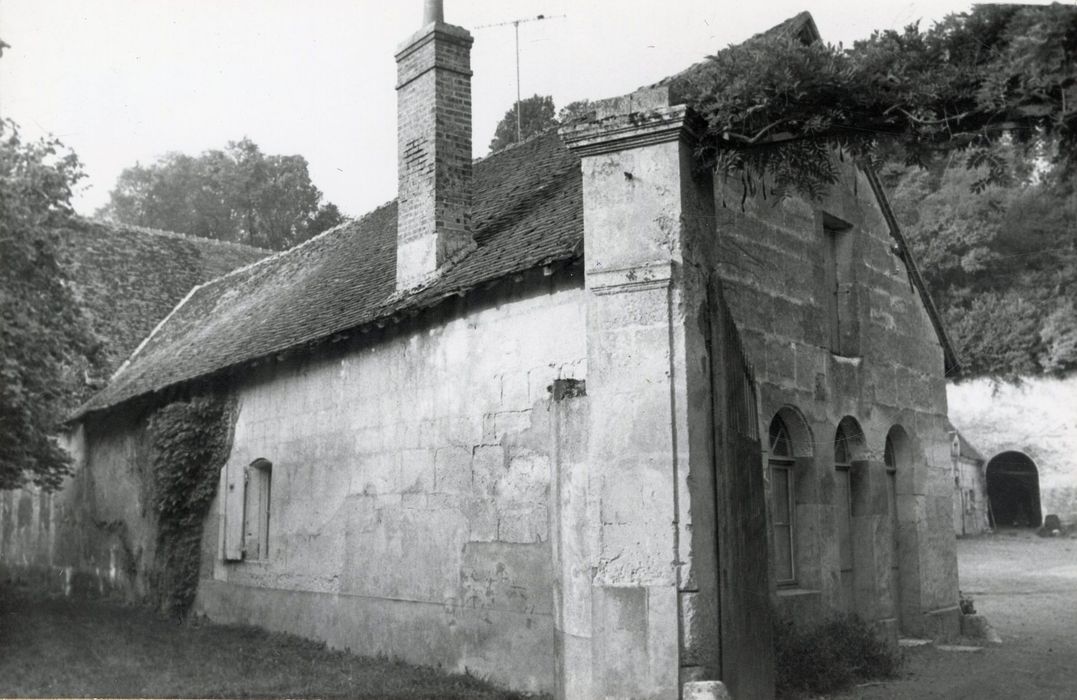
(648, 223)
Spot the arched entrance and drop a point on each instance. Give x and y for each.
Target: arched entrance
(1013, 491)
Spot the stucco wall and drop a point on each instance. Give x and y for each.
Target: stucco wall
(95, 535)
(1038, 417)
(410, 491)
(773, 265)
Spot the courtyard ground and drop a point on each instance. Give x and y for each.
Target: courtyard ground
(1026, 586)
(62, 648)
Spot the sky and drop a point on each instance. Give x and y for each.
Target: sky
(125, 81)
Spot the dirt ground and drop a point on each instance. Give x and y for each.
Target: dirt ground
(1026, 586)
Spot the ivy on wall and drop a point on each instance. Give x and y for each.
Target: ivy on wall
(190, 442)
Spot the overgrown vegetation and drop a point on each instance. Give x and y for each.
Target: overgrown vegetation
(46, 346)
(189, 443)
(829, 657)
(779, 104)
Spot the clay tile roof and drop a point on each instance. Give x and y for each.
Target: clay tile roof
(527, 212)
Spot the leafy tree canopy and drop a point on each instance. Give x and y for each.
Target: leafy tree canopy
(1001, 263)
(46, 348)
(778, 105)
(537, 114)
(238, 194)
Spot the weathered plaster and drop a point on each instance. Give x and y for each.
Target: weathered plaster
(410, 509)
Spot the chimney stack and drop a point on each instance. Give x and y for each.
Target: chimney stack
(433, 149)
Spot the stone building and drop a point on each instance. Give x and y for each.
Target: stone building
(970, 487)
(1027, 432)
(570, 417)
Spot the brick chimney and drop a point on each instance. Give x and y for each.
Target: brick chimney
(433, 149)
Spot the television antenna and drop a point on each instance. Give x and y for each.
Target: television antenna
(516, 26)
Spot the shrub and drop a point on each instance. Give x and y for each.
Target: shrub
(830, 656)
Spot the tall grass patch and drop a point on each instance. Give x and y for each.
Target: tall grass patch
(830, 656)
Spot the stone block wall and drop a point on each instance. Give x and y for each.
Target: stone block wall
(778, 270)
(410, 496)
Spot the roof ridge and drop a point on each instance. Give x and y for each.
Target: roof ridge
(172, 234)
(156, 328)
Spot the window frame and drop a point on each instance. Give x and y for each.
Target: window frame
(785, 463)
(257, 475)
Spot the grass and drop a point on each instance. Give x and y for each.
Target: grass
(62, 648)
(830, 657)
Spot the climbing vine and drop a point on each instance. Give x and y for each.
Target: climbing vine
(780, 104)
(190, 442)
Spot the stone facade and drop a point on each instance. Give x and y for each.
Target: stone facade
(779, 267)
(1034, 417)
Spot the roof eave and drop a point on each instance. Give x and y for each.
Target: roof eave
(390, 315)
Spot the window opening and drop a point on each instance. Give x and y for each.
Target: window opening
(783, 508)
(843, 297)
(257, 495)
(843, 472)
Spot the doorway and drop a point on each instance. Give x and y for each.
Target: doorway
(1013, 491)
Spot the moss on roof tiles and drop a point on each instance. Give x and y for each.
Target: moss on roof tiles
(126, 278)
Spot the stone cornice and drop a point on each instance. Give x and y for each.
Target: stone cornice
(632, 130)
(656, 275)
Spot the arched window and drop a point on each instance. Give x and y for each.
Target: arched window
(783, 502)
(848, 443)
(897, 457)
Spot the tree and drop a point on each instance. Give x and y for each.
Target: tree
(579, 110)
(238, 194)
(780, 106)
(1001, 263)
(536, 115)
(46, 349)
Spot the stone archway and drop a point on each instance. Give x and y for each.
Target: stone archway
(1013, 491)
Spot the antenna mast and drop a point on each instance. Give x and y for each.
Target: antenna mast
(516, 26)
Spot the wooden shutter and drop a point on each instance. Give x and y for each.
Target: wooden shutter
(235, 475)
